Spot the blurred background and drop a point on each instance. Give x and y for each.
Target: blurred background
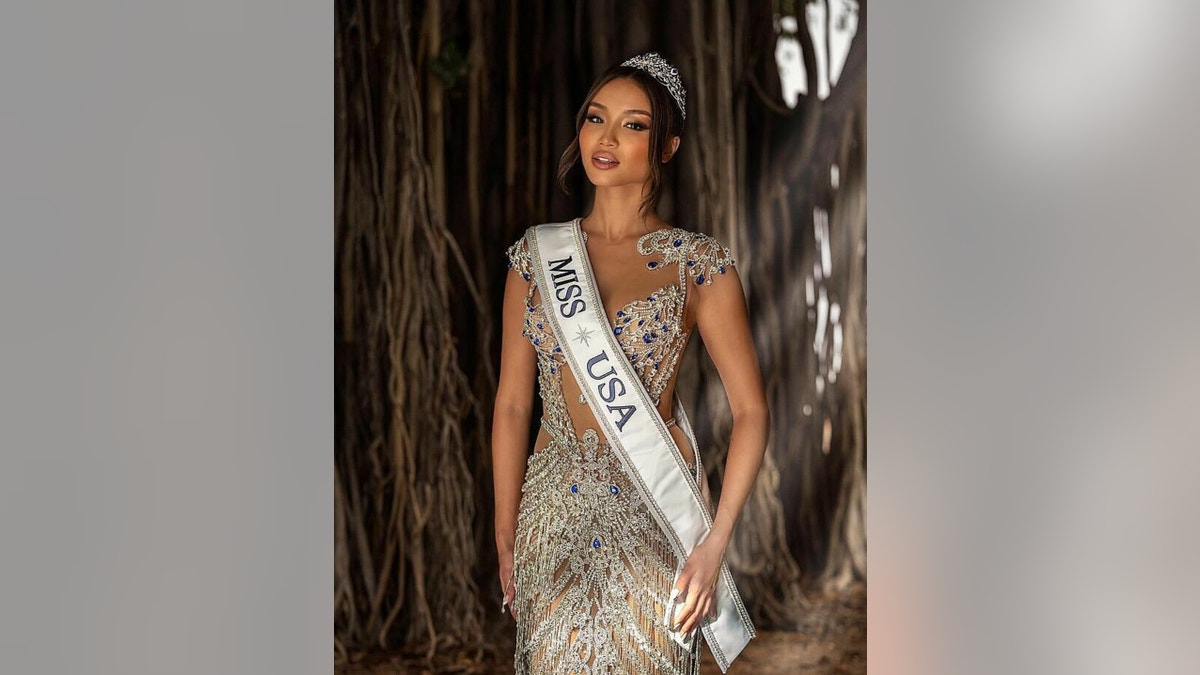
(450, 116)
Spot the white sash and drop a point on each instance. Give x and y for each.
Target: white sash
(630, 420)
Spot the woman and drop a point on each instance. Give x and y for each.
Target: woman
(590, 570)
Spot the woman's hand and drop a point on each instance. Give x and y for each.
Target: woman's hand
(507, 583)
(699, 581)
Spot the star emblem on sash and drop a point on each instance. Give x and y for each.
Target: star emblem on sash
(583, 335)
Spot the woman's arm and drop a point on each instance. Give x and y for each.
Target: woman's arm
(510, 422)
(725, 328)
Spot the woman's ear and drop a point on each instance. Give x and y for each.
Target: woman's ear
(674, 147)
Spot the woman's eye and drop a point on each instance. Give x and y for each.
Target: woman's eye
(594, 118)
(638, 126)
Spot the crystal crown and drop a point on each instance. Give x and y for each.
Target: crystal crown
(665, 73)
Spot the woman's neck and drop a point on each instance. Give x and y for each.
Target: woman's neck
(615, 215)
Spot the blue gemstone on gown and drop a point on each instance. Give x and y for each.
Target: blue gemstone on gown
(595, 543)
(700, 279)
(574, 488)
(617, 330)
(646, 338)
(652, 264)
(678, 242)
(613, 489)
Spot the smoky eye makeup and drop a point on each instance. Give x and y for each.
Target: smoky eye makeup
(595, 110)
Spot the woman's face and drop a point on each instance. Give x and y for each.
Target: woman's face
(614, 141)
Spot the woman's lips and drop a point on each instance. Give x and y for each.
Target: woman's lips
(599, 161)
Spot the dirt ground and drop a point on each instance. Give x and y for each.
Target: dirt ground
(832, 640)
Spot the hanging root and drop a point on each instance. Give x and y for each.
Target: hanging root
(404, 500)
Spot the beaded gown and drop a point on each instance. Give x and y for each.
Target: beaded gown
(592, 569)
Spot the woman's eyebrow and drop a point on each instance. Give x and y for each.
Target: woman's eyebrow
(630, 111)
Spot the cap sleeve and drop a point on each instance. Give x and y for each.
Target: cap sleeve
(708, 259)
(518, 257)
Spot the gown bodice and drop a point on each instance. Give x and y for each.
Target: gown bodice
(651, 326)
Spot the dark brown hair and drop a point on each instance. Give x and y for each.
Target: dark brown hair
(665, 122)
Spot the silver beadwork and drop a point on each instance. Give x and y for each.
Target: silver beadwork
(701, 255)
(665, 73)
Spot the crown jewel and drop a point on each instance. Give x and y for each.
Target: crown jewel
(665, 73)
